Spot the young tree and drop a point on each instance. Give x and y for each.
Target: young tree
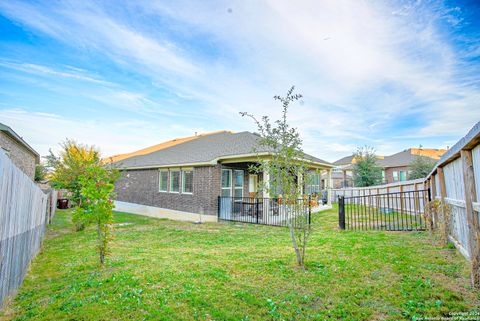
(68, 166)
(366, 172)
(286, 169)
(420, 167)
(96, 193)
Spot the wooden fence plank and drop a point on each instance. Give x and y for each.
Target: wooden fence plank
(23, 216)
(472, 217)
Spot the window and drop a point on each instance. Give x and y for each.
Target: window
(174, 181)
(403, 175)
(238, 183)
(226, 182)
(395, 176)
(187, 186)
(313, 183)
(163, 181)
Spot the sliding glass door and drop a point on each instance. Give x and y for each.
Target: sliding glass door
(226, 182)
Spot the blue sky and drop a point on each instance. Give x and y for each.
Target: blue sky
(389, 74)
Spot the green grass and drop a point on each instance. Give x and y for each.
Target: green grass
(363, 217)
(166, 270)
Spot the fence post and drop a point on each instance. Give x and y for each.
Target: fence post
(256, 207)
(472, 217)
(309, 209)
(218, 206)
(341, 212)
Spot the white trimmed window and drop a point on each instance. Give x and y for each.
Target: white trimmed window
(395, 176)
(187, 182)
(163, 181)
(175, 181)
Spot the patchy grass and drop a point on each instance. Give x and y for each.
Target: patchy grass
(166, 270)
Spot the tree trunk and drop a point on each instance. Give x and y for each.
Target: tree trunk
(292, 235)
(100, 243)
(295, 246)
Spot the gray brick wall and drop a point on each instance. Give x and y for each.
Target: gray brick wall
(141, 187)
(20, 156)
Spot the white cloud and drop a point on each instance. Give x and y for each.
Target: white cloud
(44, 131)
(361, 66)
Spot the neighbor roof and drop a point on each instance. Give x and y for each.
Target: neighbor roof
(10, 132)
(344, 161)
(205, 149)
(404, 158)
(349, 160)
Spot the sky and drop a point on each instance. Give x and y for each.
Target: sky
(123, 75)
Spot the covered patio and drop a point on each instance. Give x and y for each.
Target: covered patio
(245, 197)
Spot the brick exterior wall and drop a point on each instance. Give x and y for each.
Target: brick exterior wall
(20, 156)
(141, 187)
(389, 173)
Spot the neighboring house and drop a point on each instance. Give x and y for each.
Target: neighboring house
(395, 167)
(342, 175)
(183, 178)
(21, 154)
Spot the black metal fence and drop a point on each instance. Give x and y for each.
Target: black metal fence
(399, 211)
(266, 211)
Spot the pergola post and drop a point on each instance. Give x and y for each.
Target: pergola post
(329, 186)
(300, 181)
(266, 206)
(266, 185)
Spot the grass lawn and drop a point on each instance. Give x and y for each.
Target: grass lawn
(166, 270)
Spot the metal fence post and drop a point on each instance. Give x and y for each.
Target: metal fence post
(341, 212)
(309, 209)
(256, 208)
(218, 206)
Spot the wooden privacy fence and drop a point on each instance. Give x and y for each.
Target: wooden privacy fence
(456, 181)
(24, 212)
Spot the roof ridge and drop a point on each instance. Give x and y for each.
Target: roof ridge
(162, 145)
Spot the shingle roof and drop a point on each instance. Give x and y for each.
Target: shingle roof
(204, 149)
(344, 161)
(10, 132)
(404, 158)
(157, 147)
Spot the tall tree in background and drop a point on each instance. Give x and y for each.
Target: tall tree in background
(366, 172)
(67, 167)
(286, 169)
(420, 167)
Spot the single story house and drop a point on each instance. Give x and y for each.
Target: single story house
(21, 154)
(395, 167)
(183, 178)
